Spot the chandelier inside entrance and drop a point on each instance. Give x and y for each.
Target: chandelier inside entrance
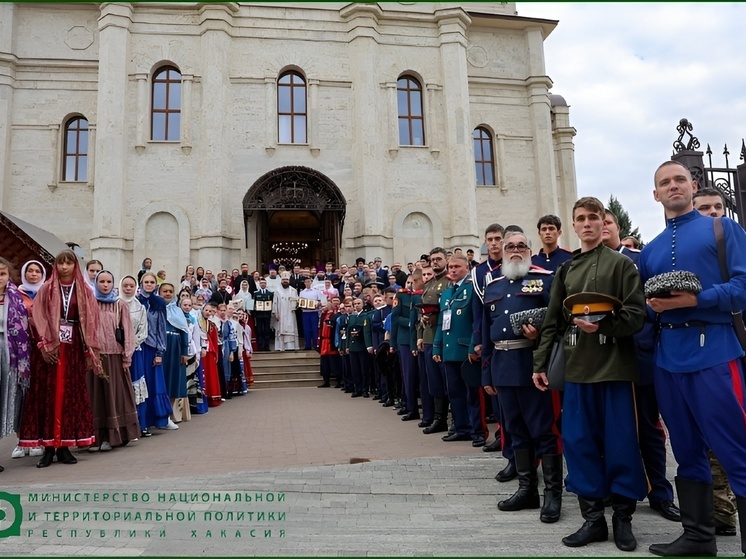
(289, 248)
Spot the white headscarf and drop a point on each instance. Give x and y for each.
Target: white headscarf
(31, 289)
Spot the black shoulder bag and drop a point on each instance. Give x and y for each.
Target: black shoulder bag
(738, 324)
(119, 331)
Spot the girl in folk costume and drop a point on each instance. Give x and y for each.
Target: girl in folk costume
(139, 320)
(246, 303)
(176, 356)
(57, 411)
(248, 350)
(237, 384)
(210, 354)
(14, 353)
(195, 377)
(182, 405)
(33, 275)
(113, 400)
(157, 406)
(227, 354)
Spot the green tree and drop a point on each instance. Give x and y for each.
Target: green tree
(625, 223)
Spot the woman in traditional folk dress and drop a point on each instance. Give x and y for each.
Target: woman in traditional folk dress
(33, 276)
(139, 319)
(247, 349)
(14, 353)
(57, 411)
(113, 399)
(157, 406)
(210, 354)
(177, 347)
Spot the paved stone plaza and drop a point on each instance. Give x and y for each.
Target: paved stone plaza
(289, 451)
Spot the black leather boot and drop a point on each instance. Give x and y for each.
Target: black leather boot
(551, 466)
(65, 456)
(46, 460)
(741, 503)
(508, 473)
(527, 496)
(440, 421)
(621, 522)
(594, 529)
(698, 539)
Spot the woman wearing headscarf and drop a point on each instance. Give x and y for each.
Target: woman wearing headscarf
(157, 406)
(33, 275)
(182, 408)
(204, 289)
(139, 320)
(113, 399)
(14, 353)
(57, 410)
(176, 356)
(243, 299)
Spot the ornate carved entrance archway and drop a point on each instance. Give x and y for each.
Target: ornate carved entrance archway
(294, 214)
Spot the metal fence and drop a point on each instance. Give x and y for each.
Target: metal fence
(730, 181)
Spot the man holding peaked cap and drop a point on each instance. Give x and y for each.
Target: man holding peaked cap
(511, 324)
(596, 304)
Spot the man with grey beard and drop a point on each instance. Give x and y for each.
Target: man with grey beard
(528, 413)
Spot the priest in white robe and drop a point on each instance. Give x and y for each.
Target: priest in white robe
(283, 310)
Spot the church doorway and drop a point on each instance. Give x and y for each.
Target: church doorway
(294, 215)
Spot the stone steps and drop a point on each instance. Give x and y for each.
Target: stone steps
(286, 369)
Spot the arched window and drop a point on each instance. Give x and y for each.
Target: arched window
(483, 158)
(411, 121)
(292, 113)
(75, 165)
(165, 123)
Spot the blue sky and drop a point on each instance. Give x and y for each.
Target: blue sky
(630, 72)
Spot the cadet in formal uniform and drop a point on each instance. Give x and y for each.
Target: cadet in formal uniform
(262, 299)
(401, 335)
(358, 340)
(377, 317)
(551, 254)
(341, 341)
(452, 346)
(598, 419)
(419, 278)
(429, 309)
(528, 413)
(480, 275)
(649, 428)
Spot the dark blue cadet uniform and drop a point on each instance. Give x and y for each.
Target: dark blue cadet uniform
(528, 412)
(401, 336)
(552, 260)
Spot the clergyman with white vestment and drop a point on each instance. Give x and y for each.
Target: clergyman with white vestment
(283, 310)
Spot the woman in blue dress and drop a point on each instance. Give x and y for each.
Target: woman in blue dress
(158, 405)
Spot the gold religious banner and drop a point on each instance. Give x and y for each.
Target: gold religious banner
(308, 304)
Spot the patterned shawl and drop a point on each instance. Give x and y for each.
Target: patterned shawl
(46, 316)
(16, 335)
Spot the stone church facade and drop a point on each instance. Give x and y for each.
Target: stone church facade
(220, 133)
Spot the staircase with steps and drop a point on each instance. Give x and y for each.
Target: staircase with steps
(286, 369)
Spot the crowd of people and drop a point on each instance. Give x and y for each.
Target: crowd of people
(452, 343)
(94, 364)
